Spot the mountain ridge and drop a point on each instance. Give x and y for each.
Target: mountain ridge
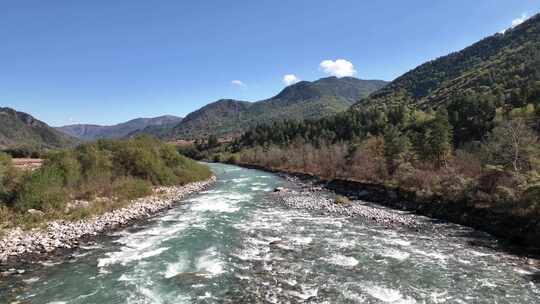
(493, 65)
(89, 132)
(20, 129)
(303, 100)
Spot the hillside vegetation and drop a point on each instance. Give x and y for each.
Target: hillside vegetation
(106, 173)
(505, 66)
(476, 144)
(303, 100)
(18, 129)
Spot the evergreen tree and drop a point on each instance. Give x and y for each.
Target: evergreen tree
(439, 138)
(395, 145)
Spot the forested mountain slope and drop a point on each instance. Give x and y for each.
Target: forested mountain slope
(303, 100)
(505, 66)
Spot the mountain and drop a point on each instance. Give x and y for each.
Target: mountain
(136, 126)
(20, 129)
(499, 65)
(303, 100)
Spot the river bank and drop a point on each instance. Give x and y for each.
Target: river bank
(516, 234)
(18, 247)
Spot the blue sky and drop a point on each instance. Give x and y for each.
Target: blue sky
(105, 62)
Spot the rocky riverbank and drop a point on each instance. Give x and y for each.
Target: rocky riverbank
(17, 244)
(518, 235)
(315, 199)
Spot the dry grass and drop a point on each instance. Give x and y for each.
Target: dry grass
(27, 163)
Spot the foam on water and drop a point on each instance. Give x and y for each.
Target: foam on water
(387, 295)
(174, 269)
(341, 260)
(395, 254)
(301, 240)
(434, 255)
(31, 280)
(235, 243)
(128, 255)
(219, 203)
(210, 263)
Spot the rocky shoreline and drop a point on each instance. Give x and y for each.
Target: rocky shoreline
(516, 235)
(310, 198)
(18, 246)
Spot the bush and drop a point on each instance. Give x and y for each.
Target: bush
(25, 152)
(115, 171)
(5, 167)
(68, 166)
(128, 188)
(43, 190)
(233, 159)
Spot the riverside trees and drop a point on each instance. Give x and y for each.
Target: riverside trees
(450, 151)
(112, 170)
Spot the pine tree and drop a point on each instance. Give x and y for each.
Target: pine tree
(395, 145)
(439, 138)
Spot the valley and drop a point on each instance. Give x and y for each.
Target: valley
(236, 243)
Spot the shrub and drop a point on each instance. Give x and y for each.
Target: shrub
(42, 189)
(128, 188)
(5, 167)
(233, 159)
(68, 166)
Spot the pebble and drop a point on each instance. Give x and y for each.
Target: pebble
(314, 200)
(66, 234)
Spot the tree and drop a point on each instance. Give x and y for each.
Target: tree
(395, 145)
(439, 137)
(471, 117)
(512, 144)
(212, 141)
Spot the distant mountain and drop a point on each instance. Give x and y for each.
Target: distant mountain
(500, 65)
(303, 100)
(19, 129)
(87, 132)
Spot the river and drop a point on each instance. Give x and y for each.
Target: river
(235, 244)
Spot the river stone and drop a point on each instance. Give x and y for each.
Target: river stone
(36, 212)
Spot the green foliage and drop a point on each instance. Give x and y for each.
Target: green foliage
(304, 100)
(128, 188)
(42, 189)
(68, 166)
(395, 145)
(25, 152)
(471, 117)
(122, 169)
(505, 66)
(439, 138)
(513, 145)
(5, 168)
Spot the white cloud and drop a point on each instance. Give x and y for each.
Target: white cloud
(238, 83)
(517, 22)
(290, 79)
(338, 68)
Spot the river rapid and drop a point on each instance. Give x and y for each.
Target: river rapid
(235, 243)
